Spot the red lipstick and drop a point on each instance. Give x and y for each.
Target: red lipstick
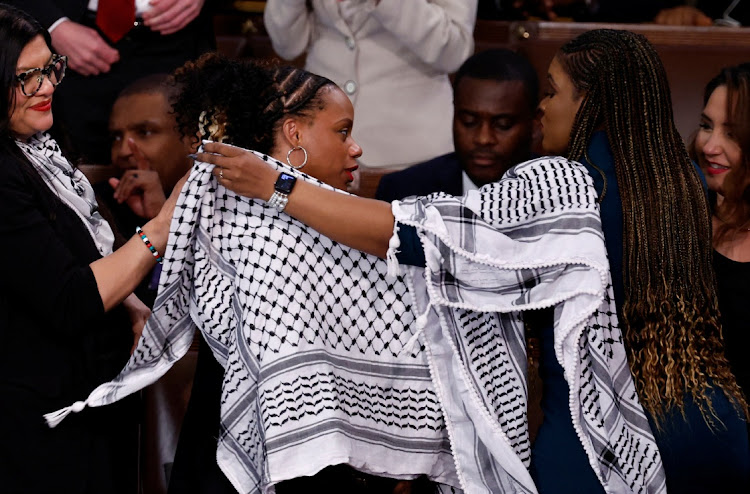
(43, 106)
(349, 172)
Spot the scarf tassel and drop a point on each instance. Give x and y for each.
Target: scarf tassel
(54, 418)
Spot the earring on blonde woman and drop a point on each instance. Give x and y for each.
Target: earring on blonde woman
(304, 162)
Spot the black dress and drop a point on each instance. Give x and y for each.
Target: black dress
(56, 345)
(733, 280)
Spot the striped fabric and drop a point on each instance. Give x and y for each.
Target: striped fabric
(313, 338)
(326, 363)
(531, 241)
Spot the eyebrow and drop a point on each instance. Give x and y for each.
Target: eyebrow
(25, 69)
(551, 80)
(706, 117)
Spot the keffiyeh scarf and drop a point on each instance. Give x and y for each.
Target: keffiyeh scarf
(318, 342)
(70, 185)
(530, 241)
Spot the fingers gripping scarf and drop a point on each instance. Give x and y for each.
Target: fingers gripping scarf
(531, 241)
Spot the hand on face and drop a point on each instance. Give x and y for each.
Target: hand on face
(88, 53)
(170, 16)
(144, 137)
(140, 188)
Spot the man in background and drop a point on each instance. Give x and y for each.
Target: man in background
(107, 49)
(495, 96)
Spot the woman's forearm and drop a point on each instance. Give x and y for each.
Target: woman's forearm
(119, 273)
(364, 224)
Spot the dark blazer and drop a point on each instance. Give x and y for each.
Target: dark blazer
(441, 174)
(49, 11)
(56, 345)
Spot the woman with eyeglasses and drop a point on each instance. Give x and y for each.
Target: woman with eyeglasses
(68, 318)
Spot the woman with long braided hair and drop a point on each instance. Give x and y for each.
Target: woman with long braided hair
(654, 217)
(609, 109)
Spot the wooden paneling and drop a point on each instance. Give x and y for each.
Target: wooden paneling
(691, 55)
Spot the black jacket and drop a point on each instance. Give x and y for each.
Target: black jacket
(56, 345)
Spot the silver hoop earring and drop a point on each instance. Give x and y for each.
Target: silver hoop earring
(304, 162)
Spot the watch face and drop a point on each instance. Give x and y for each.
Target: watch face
(284, 183)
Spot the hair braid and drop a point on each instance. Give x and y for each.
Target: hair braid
(670, 311)
(246, 99)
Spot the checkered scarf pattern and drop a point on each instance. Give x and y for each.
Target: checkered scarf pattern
(315, 339)
(532, 240)
(318, 348)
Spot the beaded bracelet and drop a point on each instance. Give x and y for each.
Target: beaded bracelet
(146, 241)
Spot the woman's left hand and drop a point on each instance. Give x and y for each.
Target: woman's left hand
(240, 171)
(139, 314)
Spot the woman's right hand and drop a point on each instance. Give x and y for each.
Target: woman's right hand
(240, 171)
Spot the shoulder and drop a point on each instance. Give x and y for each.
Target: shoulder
(555, 180)
(549, 167)
(11, 174)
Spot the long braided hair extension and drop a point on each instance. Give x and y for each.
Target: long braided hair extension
(671, 319)
(242, 100)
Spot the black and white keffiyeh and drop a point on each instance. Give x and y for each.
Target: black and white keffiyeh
(318, 347)
(321, 367)
(530, 241)
(70, 185)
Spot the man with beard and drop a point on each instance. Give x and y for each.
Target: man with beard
(495, 95)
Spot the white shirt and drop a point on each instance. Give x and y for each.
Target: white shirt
(467, 183)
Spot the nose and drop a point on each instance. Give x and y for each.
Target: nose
(121, 151)
(47, 88)
(484, 134)
(713, 145)
(354, 150)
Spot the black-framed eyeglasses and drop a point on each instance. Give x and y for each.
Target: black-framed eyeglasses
(32, 79)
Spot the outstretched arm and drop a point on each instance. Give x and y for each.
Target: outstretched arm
(363, 224)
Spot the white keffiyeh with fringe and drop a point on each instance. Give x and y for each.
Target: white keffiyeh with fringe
(318, 348)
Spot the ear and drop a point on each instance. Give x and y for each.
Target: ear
(290, 130)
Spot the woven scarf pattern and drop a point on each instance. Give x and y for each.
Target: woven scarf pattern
(312, 336)
(70, 185)
(318, 342)
(532, 240)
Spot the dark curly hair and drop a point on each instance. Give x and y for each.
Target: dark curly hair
(247, 99)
